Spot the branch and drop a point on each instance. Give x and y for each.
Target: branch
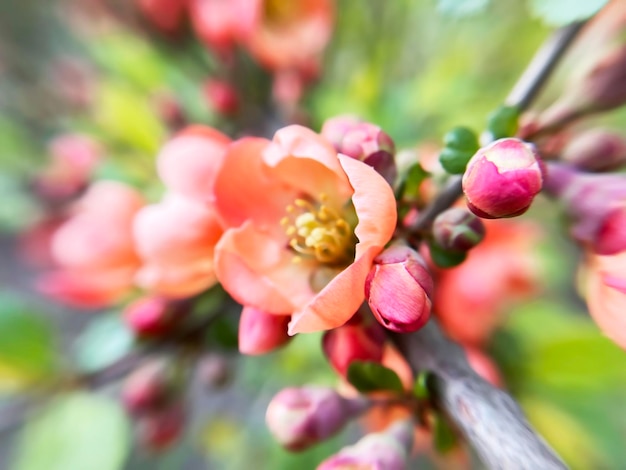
(524, 92)
(490, 420)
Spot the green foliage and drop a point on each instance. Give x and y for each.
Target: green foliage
(105, 340)
(76, 431)
(411, 181)
(420, 387)
(372, 377)
(445, 258)
(444, 438)
(503, 122)
(562, 12)
(460, 8)
(460, 144)
(27, 344)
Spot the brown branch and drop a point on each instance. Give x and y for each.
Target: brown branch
(489, 419)
(524, 92)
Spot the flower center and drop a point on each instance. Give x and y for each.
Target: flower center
(318, 231)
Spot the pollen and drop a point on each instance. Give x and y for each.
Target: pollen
(318, 231)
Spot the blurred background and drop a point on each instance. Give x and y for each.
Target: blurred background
(90, 89)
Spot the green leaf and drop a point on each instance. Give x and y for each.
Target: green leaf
(461, 138)
(103, 342)
(27, 345)
(459, 8)
(372, 376)
(412, 180)
(562, 12)
(454, 161)
(444, 438)
(420, 387)
(503, 122)
(75, 432)
(444, 258)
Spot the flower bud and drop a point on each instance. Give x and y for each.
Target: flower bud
(502, 179)
(458, 230)
(261, 332)
(388, 450)
(221, 96)
(354, 341)
(301, 417)
(147, 388)
(363, 141)
(596, 150)
(159, 429)
(151, 317)
(596, 204)
(166, 15)
(214, 371)
(399, 289)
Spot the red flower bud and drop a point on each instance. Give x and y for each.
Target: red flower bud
(596, 203)
(596, 150)
(161, 428)
(458, 230)
(221, 96)
(388, 450)
(147, 388)
(150, 317)
(363, 141)
(399, 289)
(354, 341)
(502, 179)
(301, 417)
(166, 15)
(261, 332)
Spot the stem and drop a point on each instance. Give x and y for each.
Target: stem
(489, 419)
(524, 92)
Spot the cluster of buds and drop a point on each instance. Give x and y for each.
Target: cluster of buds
(151, 395)
(596, 203)
(503, 178)
(363, 141)
(389, 450)
(399, 289)
(301, 417)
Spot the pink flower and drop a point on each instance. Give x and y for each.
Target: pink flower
(305, 227)
(606, 294)
(94, 249)
(502, 179)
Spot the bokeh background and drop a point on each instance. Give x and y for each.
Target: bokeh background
(416, 68)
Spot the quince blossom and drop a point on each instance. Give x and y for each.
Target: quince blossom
(305, 225)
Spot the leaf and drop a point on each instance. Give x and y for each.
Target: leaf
(103, 342)
(562, 12)
(372, 376)
(444, 258)
(75, 432)
(412, 181)
(27, 346)
(460, 8)
(444, 438)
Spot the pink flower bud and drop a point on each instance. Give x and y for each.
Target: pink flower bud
(596, 150)
(261, 332)
(221, 96)
(596, 204)
(354, 341)
(150, 317)
(147, 388)
(363, 141)
(502, 179)
(388, 450)
(214, 371)
(458, 230)
(166, 15)
(301, 417)
(399, 289)
(159, 429)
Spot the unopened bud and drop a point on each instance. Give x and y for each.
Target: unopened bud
(166, 15)
(354, 341)
(261, 332)
(363, 141)
(458, 229)
(221, 96)
(502, 179)
(399, 289)
(159, 429)
(596, 150)
(214, 371)
(596, 203)
(147, 388)
(388, 450)
(151, 317)
(301, 417)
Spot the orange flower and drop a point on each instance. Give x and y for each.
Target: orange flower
(305, 227)
(470, 297)
(606, 294)
(94, 249)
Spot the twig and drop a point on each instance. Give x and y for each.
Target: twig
(524, 92)
(490, 420)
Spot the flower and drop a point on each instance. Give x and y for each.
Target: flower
(502, 179)
(305, 225)
(606, 294)
(261, 332)
(94, 248)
